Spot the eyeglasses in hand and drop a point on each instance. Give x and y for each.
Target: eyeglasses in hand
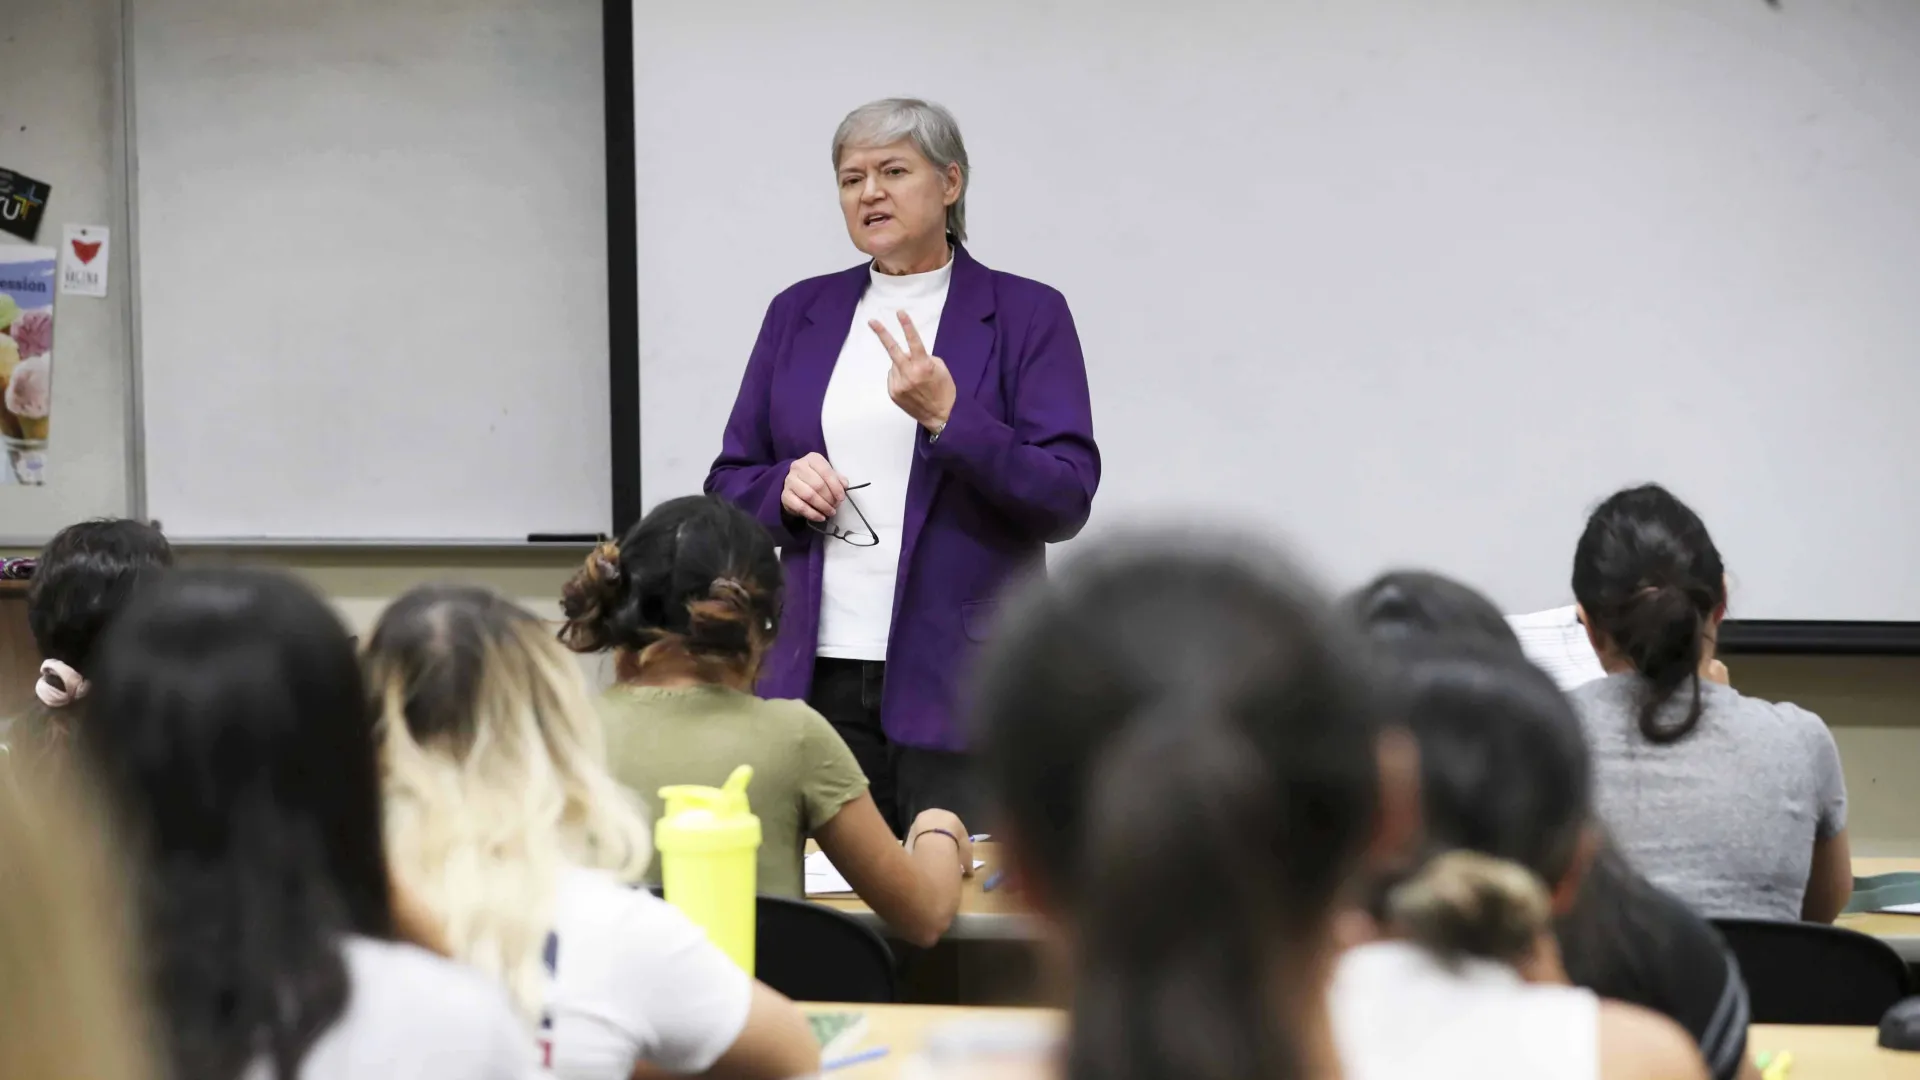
(858, 539)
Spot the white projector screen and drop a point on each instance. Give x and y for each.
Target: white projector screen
(1408, 282)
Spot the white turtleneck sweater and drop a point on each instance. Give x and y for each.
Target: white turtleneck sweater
(870, 440)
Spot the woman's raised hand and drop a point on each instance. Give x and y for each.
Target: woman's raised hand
(919, 382)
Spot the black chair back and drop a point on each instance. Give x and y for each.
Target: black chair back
(814, 953)
(1806, 973)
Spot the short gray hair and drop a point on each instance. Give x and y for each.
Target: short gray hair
(933, 130)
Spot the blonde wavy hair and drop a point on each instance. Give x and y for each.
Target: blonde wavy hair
(494, 762)
(70, 1003)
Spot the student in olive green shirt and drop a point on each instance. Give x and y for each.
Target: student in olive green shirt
(803, 774)
(689, 602)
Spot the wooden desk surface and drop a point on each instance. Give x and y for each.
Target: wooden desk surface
(1819, 1053)
(903, 1030)
(1900, 931)
(1834, 1053)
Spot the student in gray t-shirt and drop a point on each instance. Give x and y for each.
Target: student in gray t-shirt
(1736, 805)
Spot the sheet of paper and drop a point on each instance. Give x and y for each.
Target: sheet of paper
(1902, 909)
(1556, 642)
(823, 879)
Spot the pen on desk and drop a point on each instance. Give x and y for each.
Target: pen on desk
(855, 1059)
(992, 882)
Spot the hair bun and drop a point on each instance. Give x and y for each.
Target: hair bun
(604, 563)
(589, 597)
(723, 623)
(1464, 903)
(730, 590)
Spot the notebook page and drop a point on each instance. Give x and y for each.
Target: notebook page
(1556, 642)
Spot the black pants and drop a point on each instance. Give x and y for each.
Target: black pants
(904, 780)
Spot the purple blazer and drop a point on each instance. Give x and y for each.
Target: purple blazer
(1014, 470)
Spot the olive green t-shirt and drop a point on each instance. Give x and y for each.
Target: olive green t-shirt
(803, 772)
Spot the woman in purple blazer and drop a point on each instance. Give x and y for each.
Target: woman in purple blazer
(913, 431)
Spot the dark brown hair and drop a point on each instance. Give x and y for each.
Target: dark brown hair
(1188, 730)
(1649, 578)
(697, 573)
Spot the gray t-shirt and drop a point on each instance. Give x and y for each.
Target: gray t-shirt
(1726, 818)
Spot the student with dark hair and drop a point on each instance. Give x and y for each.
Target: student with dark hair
(1182, 748)
(1621, 937)
(689, 603)
(85, 576)
(1736, 805)
(1470, 981)
(231, 734)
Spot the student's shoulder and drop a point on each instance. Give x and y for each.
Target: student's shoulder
(411, 1010)
(597, 905)
(1612, 693)
(1637, 1043)
(1784, 716)
(789, 720)
(427, 988)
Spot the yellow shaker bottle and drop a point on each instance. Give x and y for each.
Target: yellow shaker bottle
(709, 843)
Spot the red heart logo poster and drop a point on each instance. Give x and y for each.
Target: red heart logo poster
(83, 263)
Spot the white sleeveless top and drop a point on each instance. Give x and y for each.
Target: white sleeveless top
(1398, 1012)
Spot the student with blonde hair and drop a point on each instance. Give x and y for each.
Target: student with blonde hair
(70, 1008)
(690, 602)
(503, 820)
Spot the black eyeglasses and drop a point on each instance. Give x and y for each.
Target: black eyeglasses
(828, 528)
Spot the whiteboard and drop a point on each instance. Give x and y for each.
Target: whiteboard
(372, 267)
(1410, 282)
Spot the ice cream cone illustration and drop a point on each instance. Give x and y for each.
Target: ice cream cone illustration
(28, 399)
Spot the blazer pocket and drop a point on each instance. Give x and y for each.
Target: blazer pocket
(977, 618)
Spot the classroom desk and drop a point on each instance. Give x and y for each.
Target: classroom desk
(903, 1030)
(1819, 1053)
(999, 916)
(1833, 1053)
(1900, 931)
(983, 916)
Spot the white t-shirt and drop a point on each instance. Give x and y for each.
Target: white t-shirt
(412, 1015)
(870, 440)
(634, 979)
(1398, 1012)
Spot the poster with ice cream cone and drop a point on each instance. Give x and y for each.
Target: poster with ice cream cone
(28, 276)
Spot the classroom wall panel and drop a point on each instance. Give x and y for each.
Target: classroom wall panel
(61, 122)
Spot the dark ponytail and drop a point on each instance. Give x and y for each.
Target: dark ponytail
(1189, 978)
(696, 573)
(1184, 746)
(1650, 580)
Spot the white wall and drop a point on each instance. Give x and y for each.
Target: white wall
(1411, 281)
(60, 121)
